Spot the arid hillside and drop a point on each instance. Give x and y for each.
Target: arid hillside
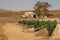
(55, 12)
(8, 13)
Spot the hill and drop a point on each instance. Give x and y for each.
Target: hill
(8, 13)
(3, 10)
(55, 12)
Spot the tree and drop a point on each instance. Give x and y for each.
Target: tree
(41, 8)
(37, 8)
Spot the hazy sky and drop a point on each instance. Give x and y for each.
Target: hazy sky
(26, 4)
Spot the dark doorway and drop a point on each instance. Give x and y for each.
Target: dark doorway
(34, 16)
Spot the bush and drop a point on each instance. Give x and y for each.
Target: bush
(38, 25)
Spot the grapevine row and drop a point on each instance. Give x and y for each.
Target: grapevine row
(38, 25)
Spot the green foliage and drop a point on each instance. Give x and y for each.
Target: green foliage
(51, 26)
(38, 25)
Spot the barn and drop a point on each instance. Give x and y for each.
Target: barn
(30, 15)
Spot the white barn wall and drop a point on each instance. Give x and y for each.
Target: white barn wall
(30, 14)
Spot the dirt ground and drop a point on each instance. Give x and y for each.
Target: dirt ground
(14, 32)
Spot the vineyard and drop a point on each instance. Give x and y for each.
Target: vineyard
(38, 25)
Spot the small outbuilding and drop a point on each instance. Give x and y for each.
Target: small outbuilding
(30, 15)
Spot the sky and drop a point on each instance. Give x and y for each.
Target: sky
(20, 5)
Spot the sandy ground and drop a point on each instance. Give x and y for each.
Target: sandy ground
(14, 32)
(56, 33)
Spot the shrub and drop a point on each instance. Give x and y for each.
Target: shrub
(38, 25)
